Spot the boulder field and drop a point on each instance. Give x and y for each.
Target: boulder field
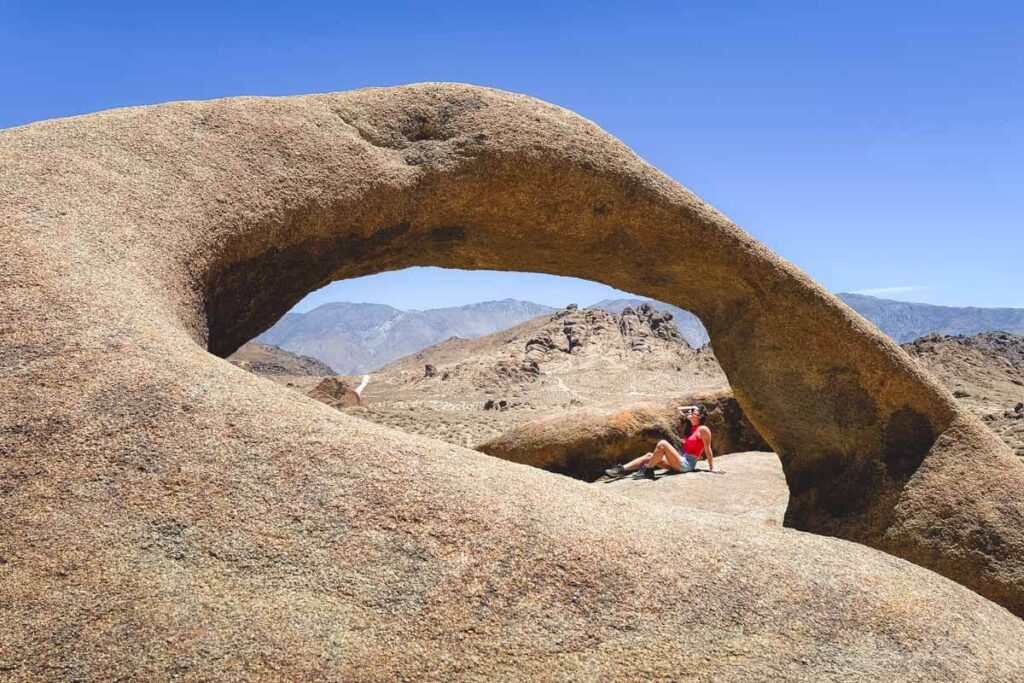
(165, 514)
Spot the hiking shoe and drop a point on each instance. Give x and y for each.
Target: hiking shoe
(617, 471)
(644, 473)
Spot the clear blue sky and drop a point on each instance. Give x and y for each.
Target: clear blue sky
(877, 145)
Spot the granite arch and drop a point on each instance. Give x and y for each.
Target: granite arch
(153, 234)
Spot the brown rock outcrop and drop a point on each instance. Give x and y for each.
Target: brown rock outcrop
(582, 443)
(335, 392)
(165, 515)
(635, 326)
(266, 359)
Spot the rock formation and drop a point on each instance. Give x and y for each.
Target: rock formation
(985, 371)
(335, 392)
(267, 359)
(689, 325)
(163, 514)
(634, 324)
(582, 443)
(531, 368)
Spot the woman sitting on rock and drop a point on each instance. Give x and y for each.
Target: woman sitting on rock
(696, 446)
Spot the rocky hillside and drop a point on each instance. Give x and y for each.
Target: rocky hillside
(357, 338)
(985, 372)
(905, 321)
(267, 359)
(466, 391)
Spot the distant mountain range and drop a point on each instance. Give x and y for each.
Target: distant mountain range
(901, 320)
(904, 321)
(358, 338)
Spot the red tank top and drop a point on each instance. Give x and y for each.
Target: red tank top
(694, 445)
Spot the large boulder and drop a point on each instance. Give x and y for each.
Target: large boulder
(583, 442)
(163, 515)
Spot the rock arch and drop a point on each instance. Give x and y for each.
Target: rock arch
(151, 234)
(476, 179)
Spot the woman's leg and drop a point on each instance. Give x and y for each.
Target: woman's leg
(663, 455)
(666, 456)
(637, 463)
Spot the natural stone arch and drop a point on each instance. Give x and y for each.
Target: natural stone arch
(131, 235)
(468, 178)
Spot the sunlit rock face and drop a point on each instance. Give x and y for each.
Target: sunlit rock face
(164, 513)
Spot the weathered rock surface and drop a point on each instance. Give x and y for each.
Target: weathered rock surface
(573, 331)
(165, 515)
(582, 443)
(749, 486)
(633, 324)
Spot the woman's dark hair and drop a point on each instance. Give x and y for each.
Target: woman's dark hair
(688, 427)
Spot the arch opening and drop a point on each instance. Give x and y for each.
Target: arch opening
(478, 362)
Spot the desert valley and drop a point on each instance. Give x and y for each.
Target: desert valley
(469, 391)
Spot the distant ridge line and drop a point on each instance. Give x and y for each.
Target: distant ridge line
(356, 338)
